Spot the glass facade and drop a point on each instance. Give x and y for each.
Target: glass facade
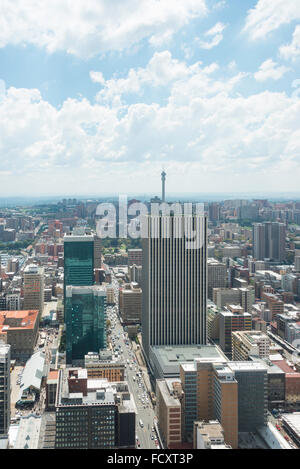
(252, 399)
(78, 261)
(85, 317)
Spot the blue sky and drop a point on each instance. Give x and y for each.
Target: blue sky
(98, 96)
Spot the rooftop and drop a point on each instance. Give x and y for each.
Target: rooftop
(167, 359)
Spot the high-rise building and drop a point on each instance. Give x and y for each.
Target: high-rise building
(216, 276)
(97, 252)
(210, 392)
(168, 409)
(130, 303)
(4, 389)
(225, 405)
(252, 378)
(135, 256)
(78, 260)
(297, 263)
(174, 281)
(269, 241)
(34, 288)
(85, 317)
(214, 211)
(235, 319)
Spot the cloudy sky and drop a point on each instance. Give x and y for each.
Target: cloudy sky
(99, 95)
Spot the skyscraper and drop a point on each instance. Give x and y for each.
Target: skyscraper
(174, 281)
(85, 317)
(4, 389)
(269, 241)
(34, 288)
(78, 260)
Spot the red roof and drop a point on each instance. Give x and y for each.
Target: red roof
(282, 364)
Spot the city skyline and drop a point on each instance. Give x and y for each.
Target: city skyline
(150, 227)
(117, 101)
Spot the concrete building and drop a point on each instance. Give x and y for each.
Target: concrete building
(210, 392)
(242, 296)
(130, 303)
(135, 257)
(297, 264)
(98, 368)
(174, 281)
(4, 389)
(34, 288)
(269, 241)
(252, 381)
(19, 329)
(110, 295)
(209, 435)
(247, 298)
(275, 304)
(230, 321)
(135, 274)
(51, 389)
(165, 361)
(216, 276)
(168, 411)
(226, 296)
(93, 414)
(246, 343)
(97, 253)
(225, 402)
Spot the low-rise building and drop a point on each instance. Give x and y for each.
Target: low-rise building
(20, 330)
(209, 435)
(246, 343)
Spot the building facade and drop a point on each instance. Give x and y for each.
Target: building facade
(174, 281)
(85, 318)
(4, 389)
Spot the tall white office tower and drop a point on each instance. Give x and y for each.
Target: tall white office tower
(174, 281)
(4, 389)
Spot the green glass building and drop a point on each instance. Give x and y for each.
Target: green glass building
(78, 260)
(85, 318)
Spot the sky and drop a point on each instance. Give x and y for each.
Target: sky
(99, 96)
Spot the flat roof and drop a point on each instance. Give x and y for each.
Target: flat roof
(167, 359)
(293, 421)
(246, 366)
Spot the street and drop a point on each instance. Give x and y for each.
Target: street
(145, 413)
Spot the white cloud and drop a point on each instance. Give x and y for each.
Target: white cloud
(269, 15)
(93, 26)
(97, 77)
(2, 89)
(270, 70)
(216, 34)
(161, 70)
(203, 130)
(292, 50)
